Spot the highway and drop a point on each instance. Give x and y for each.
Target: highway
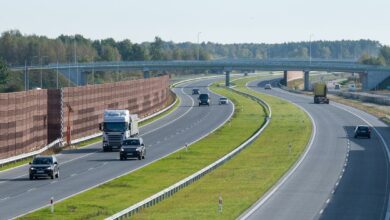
(84, 168)
(340, 177)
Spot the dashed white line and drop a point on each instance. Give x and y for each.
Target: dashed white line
(321, 211)
(91, 168)
(30, 189)
(74, 174)
(327, 201)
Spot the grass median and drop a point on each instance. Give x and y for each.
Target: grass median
(127, 190)
(249, 175)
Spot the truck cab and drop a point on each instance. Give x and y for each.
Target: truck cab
(117, 126)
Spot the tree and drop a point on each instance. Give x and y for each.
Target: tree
(3, 72)
(385, 54)
(156, 49)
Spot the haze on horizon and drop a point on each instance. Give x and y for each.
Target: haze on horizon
(222, 21)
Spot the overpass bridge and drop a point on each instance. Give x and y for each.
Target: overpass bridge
(371, 75)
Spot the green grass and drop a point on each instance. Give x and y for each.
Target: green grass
(245, 178)
(125, 191)
(15, 164)
(90, 141)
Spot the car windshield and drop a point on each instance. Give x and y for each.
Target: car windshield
(131, 142)
(203, 96)
(223, 99)
(114, 126)
(43, 160)
(363, 128)
(195, 90)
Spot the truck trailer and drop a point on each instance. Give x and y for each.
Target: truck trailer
(320, 91)
(118, 125)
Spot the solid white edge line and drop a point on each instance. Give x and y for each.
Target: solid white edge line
(382, 140)
(99, 184)
(340, 106)
(276, 187)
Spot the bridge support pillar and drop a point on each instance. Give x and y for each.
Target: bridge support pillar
(146, 74)
(285, 78)
(371, 79)
(306, 80)
(227, 79)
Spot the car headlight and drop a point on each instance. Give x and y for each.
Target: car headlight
(138, 149)
(32, 168)
(49, 168)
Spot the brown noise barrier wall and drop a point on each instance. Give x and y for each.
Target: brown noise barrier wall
(32, 119)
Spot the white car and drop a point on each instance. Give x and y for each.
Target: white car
(223, 101)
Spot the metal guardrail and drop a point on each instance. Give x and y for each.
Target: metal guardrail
(233, 64)
(168, 192)
(60, 141)
(27, 155)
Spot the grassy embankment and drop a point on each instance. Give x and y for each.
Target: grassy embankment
(122, 192)
(246, 177)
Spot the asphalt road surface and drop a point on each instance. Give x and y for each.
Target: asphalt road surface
(84, 168)
(340, 177)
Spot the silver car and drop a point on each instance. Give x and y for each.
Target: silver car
(223, 101)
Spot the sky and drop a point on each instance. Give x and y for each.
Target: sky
(221, 21)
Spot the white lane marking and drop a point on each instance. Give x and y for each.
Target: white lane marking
(52, 182)
(91, 168)
(31, 189)
(131, 171)
(5, 198)
(387, 150)
(189, 109)
(290, 173)
(73, 174)
(105, 163)
(327, 201)
(321, 211)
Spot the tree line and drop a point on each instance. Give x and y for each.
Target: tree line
(383, 58)
(18, 49)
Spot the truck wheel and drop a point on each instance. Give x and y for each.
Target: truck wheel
(52, 175)
(140, 157)
(58, 174)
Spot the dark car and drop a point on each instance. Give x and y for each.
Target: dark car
(195, 91)
(362, 131)
(132, 147)
(44, 166)
(204, 99)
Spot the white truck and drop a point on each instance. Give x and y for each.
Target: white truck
(118, 125)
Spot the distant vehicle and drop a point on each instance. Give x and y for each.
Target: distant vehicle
(320, 91)
(352, 87)
(118, 125)
(44, 166)
(362, 131)
(204, 99)
(223, 101)
(132, 147)
(267, 86)
(337, 86)
(195, 91)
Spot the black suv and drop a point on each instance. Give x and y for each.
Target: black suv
(44, 166)
(133, 147)
(362, 131)
(195, 91)
(204, 99)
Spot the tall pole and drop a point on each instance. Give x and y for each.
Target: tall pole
(93, 72)
(41, 74)
(57, 76)
(75, 61)
(25, 75)
(311, 35)
(198, 46)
